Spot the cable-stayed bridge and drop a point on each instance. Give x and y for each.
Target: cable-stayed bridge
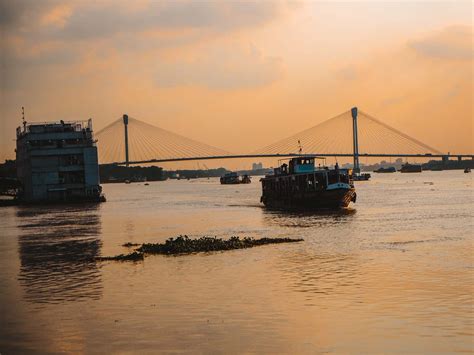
(353, 133)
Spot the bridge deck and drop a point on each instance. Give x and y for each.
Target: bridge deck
(243, 156)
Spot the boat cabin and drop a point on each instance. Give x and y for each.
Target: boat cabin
(301, 165)
(296, 166)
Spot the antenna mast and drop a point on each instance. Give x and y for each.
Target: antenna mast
(23, 117)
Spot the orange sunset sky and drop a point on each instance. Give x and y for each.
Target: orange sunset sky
(240, 75)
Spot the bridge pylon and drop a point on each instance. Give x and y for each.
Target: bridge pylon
(125, 124)
(355, 140)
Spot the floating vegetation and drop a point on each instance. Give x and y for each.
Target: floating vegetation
(129, 245)
(185, 245)
(135, 256)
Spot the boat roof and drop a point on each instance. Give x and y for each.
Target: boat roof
(301, 156)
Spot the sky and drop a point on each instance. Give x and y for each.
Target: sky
(239, 75)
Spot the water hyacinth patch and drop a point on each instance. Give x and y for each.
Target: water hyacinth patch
(184, 245)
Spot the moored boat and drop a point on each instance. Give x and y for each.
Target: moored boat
(361, 177)
(299, 185)
(389, 169)
(245, 179)
(467, 170)
(234, 178)
(411, 168)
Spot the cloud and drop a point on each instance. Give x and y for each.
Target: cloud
(58, 16)
(454, 42)
(85, 20)
(137, 37)
(221, 69)
(22, 15)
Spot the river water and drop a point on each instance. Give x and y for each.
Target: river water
(392, 274)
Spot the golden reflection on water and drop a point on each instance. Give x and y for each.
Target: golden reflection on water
(394, 273)
(325, 274)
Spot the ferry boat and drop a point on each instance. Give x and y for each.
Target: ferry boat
(299, 185)
(234, 178)
(411, 168)
(390, 169)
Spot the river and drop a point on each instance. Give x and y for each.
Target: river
(392, 274)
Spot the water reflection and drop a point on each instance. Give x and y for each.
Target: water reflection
(321, 266)
(57, 248)
(320, 274)
(308, 218)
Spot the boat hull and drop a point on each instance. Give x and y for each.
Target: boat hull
(362, 177)
(409, 168)
(325, 199)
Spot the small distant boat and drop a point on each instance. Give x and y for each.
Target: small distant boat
(411, 168)
(467, 170)
(230, 178)
(234, 178)
(360, 177)
(389, 169)
(245, 179)
(127, 181)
